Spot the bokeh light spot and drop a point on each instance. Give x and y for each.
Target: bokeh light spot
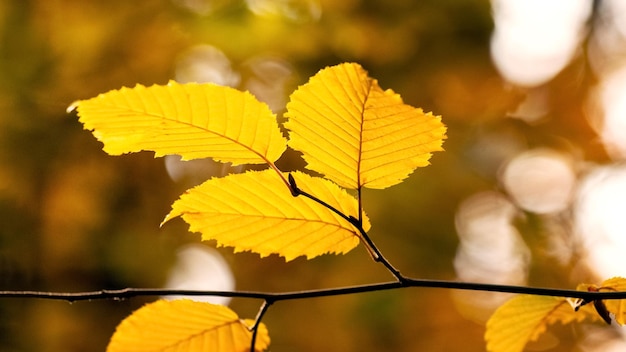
(490, 250)
(205, 63)
(199, 267)
(608, 112)
(600, 219)
(540, 181)
(533, 40)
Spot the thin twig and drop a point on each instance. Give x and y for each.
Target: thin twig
(293, 295)
(379, 257)
(296, 191)
(124, 293)
(356, 222)
(257, 321)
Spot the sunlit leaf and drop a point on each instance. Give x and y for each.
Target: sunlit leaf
(357, 134)
(523, 318)
(185, 326)
(255, 212)
(615, 306)
(191, 120)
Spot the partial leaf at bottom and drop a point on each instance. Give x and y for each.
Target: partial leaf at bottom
(185, 326)
(255, 212)
(615, 306)
(523, 318)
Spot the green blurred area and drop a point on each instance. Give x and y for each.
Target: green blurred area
(76, 219)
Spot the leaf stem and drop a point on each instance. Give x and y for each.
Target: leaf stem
(257, 321)
(360, 199)
(280, 174)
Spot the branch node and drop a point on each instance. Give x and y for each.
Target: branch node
(354, 221)
(295, 191)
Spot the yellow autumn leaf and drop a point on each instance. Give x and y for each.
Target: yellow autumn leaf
(191, 120)
(357, 134)
(255, 212)
(615, 306)
(185, 326)
(523, 318)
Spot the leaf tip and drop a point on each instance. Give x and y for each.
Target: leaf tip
(169, 217)
(70, 109)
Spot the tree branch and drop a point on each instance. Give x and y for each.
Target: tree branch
(376, 255)
(257, 321)
(293, 295)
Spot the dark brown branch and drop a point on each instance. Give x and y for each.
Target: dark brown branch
(123, 294)
(257, 321)
(285, 296)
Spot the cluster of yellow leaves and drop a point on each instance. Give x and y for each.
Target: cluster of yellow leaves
(346, 126)
(525, 317)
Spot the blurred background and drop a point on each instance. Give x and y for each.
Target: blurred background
(531, 189)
